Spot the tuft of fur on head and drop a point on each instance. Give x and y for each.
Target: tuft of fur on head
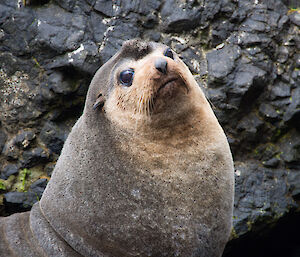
(135, 49)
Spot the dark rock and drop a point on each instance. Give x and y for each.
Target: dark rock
(24, 139)
(38, 187)
(272, 163)
(283, 20)
(296, 76)
(115, 36)
(247, 85)
(221, 32)
(58, 85)
(248, 39)
(18, 30)
(46, 95)
(268, 151)
(85, 59)
(290, 149)
(139, 6)
(31, 158)
(2, 140)
(277, 7)
(240, 11)
(295, 18)
(280, 90)
(294, 181)
(58, 29)
(297, 60)
(260, 194)
(283, 54)
(244, 79)
(66, 4)
(152, 35)
(10, 150)
(53, 136)
(35, 2)
(249, 126)
(269, 112)
(253, 26)
(98, 27)
(292, 113)
(216, 95)
(194, 60)
(176, 19)
(19, 201)
(150, 21)
(17, 105)
(222, 61)
(49, 168)
(105, 7)
(8, 170)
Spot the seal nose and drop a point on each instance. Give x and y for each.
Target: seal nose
(161, 65)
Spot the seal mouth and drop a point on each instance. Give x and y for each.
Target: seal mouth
(166, 83)
(170, 86)
(162, 94)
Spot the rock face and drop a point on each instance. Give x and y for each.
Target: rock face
(247, 51)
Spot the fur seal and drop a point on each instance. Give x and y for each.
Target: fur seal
(145, 171)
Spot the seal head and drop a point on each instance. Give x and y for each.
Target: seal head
(146, 170)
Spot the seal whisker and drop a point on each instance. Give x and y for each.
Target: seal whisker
(144, 105)
(184, 81)
(139, 105)
(152, 103)
(149, 109)
(148, 106)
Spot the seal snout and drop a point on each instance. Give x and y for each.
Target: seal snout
(161, 65)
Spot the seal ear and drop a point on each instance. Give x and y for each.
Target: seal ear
(99, 102)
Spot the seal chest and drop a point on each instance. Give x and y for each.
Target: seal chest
(146, 170)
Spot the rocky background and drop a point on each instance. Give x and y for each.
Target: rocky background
(245, 54)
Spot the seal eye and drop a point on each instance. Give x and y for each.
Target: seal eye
(126, 77)
(169, 53)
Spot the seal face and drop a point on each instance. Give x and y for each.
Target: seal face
(146, 170)
(159, 91)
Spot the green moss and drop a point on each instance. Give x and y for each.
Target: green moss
(277, 133)
(23, 175)
(36, 62)
(249, 225)
(262, 211)
(277, 156)
(26, 177)
(233, 234)
(2, 185)
(256, 152)
(5, 185)
(291, 10)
